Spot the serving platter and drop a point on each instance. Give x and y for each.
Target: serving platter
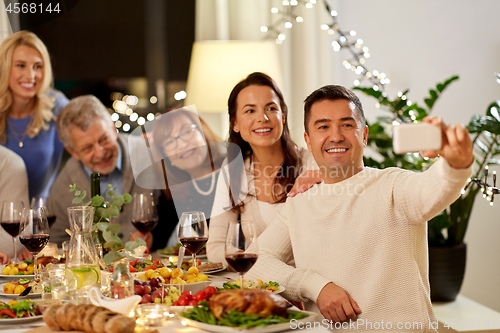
(265, 329)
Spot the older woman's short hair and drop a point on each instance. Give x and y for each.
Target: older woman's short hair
(81, 112)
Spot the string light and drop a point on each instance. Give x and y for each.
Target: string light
(344, 40)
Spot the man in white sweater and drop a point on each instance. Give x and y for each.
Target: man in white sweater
(359, 239)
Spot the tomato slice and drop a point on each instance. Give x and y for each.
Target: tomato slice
(7, 312)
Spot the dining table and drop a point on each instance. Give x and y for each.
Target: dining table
(462, 308)
(175, 324)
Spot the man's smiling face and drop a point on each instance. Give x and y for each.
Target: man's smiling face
(336, 137)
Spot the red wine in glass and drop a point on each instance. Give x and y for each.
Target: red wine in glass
(11, 221)
(11, 227)
(193, 232)
(241, 262)
(35, 243)
(144, 216)
(34, 232)
(193, 244)
(145, 225)
(241, 247)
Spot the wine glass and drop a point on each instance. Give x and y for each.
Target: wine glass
(11, 219)
(241, 247)
(34, 231)
(193, 232)
(144, 216)
(37, 202)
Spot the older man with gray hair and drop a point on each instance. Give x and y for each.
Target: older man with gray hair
(89, 135)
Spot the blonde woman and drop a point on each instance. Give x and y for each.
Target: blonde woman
(29, 107)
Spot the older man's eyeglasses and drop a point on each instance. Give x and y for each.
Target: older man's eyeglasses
(186, 134)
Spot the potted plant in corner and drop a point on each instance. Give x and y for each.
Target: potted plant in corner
(446, 231)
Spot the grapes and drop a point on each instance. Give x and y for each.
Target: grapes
(154, 292)
(154, 282)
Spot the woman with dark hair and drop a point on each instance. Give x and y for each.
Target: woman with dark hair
(191, 157)
(256, 189)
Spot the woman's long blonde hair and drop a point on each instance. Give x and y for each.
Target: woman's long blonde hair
(42, 114)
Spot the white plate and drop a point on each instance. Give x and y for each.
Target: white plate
(280, 290)
(265, 329)
(15, 295)
(14, 277)
(19, 320)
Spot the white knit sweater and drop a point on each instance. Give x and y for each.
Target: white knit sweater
(368, 235)
(13, 187)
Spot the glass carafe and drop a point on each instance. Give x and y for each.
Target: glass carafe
(122, 282)
(81, 263)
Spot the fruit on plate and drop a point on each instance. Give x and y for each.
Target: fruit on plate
(154, 291)
(174, 276)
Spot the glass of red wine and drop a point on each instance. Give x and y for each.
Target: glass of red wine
(11, 220)
(37, 202)
(34, 232)
(144, 216)
(193, 232)
(241, 247)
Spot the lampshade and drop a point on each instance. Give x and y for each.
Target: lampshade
(217, 66)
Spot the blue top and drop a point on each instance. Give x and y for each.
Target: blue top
(42, 153)
(115, 178)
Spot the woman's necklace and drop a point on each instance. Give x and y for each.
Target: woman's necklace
(18, 135)
(212, 185)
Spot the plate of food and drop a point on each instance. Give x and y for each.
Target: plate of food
(254, 284)
(13, 271)
(211, 267)
(14, 288)
(18, 312)
(265, 312)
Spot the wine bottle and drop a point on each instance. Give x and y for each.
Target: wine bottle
(95, 184)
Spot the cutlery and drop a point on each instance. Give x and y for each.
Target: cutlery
(23, 294)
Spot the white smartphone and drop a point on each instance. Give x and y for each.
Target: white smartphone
(415, 137)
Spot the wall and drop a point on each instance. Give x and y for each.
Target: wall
(420, 43)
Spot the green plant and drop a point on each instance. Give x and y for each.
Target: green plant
(107, 231)
(449, 227)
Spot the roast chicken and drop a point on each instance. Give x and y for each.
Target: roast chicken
(249, 301)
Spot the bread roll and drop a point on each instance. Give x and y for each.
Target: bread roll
(62, 317)
(120, 324)
(80, 316)
(100, 320)
(88, 318)
(49, 317)
(89, 315)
